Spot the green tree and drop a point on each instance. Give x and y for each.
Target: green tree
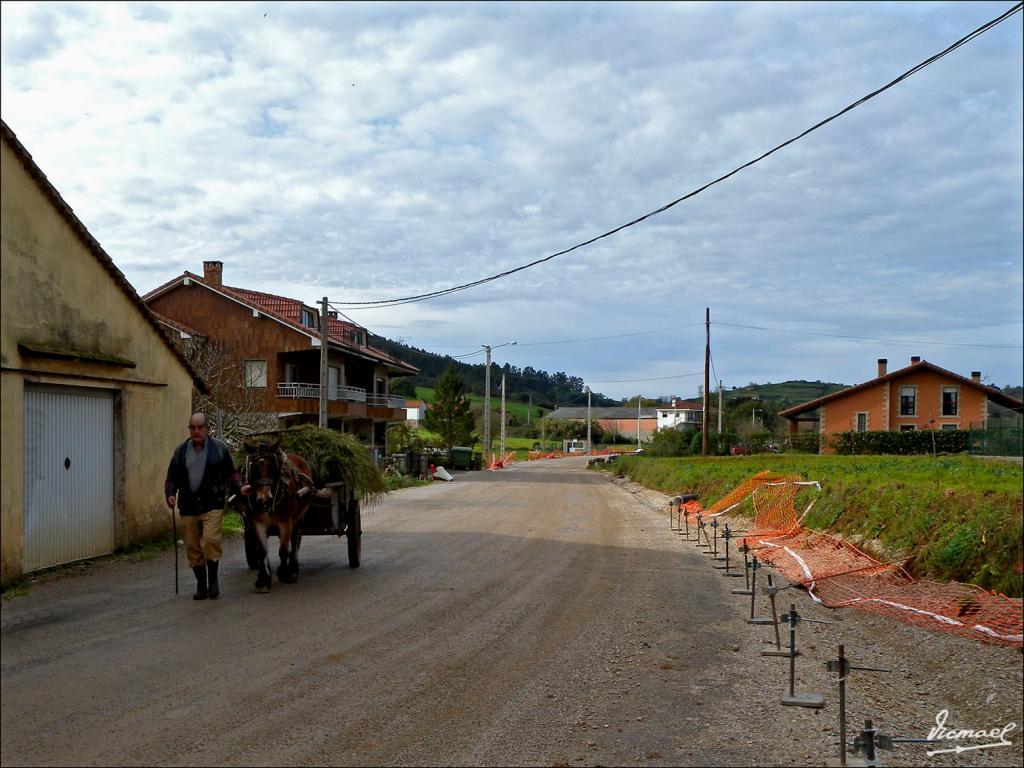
(449, 415)
(402, 438)
(402, 388)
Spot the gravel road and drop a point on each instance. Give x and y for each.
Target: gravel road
(540, 615)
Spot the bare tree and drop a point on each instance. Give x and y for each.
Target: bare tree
(242, 407)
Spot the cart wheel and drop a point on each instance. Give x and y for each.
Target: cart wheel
(354, 533)
(252, 549)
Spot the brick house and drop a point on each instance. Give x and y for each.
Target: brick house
(920, 396)
(623, 421)
(276, 340)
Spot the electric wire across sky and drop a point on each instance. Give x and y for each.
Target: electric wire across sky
(394, 302)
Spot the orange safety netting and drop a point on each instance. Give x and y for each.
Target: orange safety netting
(497, 463)
(837, 574)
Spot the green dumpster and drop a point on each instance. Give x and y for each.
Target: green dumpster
(461, 457)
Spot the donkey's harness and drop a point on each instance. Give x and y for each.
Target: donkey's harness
(281, 467)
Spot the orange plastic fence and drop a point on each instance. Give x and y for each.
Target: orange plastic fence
(837, 574)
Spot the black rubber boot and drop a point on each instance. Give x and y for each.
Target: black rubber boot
(211, 572)
(201, 591)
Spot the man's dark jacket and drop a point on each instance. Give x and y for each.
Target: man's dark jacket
(220, 474)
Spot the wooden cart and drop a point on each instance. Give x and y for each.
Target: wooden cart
(334, 511)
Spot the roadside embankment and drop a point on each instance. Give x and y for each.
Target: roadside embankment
(954, 517)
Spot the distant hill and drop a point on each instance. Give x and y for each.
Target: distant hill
(546, 389)
(786, 393)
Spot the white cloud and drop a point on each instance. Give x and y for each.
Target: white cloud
(373, 150)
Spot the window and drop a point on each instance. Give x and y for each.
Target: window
(862, 422)
(255, 373)
(907, 427)
(950, 396)
(307, 318)
(949, 427)
(908, 401)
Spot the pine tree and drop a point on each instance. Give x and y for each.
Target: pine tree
(449, 415)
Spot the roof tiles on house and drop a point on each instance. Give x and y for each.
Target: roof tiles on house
(995, 395)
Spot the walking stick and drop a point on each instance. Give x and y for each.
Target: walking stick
(174, 533)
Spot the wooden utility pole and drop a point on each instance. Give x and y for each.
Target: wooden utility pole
(707, 381)
(322, 422)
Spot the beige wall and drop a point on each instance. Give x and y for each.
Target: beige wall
(55, 293)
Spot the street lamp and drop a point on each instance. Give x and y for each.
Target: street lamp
(487, 394)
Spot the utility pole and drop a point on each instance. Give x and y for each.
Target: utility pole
(529, 410)
(719, 415)
(639, 402)
(322, 422)
(589, 451)
(487, 396)
(707, 365)
(502, 442)
(487, 406)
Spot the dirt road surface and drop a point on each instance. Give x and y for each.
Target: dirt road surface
(540, 615)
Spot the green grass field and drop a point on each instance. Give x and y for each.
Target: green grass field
(956, 518)
(517, 409)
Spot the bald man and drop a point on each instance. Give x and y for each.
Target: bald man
(199, 477)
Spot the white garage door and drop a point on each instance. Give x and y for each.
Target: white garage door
(69, 475)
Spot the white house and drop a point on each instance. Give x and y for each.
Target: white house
(680, 413)
(415, 412)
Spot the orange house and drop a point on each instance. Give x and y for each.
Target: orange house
(920, 396)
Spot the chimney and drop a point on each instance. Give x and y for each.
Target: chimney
(882, 365)
(673, 402)
(976, 376)
(213, 271)
(915, 359)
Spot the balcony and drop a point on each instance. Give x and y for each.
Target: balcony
(298, 391)
(385, 401)
(347, 402)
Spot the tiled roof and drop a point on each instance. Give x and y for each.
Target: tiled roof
(682, 405)
(615, 412)
(992, 393)
(289, 312)
(176, 325)
(92, 245)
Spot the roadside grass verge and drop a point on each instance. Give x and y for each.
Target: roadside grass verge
(397, 482)
(955, 518)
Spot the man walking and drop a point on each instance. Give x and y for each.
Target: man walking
(199, 475)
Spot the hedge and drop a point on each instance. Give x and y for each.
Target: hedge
(902, 443)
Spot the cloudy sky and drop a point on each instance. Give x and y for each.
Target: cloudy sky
(376, 151)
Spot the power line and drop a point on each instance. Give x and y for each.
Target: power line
(470, 354)
(869, 338)
(380, 303)
(580, 340)
(605, 338)
(656, 378)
